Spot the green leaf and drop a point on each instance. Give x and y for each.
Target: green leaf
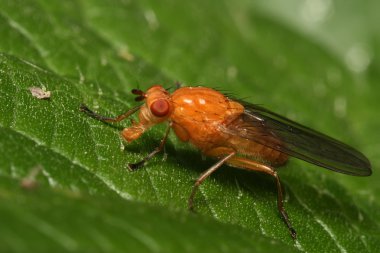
(95, 52)
(67, 221)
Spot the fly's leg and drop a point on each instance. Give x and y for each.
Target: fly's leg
(137, 132)
(178, 85)
(256, 166)
(134, 166)
(85, 109)
(205, 175)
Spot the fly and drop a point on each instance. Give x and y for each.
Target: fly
(236, 133)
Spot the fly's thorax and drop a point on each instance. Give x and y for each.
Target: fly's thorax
(200, 104)
(198, 113)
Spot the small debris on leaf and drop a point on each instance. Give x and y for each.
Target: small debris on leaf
(40, 93)
(125, 54)
(29, 182)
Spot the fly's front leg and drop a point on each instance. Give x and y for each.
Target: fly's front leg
(134, 166)
(86, 110)
(256, 166)
(205, 175)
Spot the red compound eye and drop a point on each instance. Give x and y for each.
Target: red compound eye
(160, 108)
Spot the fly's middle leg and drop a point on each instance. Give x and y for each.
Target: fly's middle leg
(134, 166)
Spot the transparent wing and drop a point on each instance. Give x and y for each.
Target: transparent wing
(272, 130)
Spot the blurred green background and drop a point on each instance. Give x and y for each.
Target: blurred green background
(314, 61)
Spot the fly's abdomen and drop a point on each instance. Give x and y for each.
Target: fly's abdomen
(257, 151)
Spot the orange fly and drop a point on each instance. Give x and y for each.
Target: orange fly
(235, 133)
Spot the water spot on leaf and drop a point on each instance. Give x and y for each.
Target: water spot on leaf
(358, 58)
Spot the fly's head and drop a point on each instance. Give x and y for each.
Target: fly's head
(156, 109)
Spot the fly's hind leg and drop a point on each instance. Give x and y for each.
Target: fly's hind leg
(256, 166)
(205, 175)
